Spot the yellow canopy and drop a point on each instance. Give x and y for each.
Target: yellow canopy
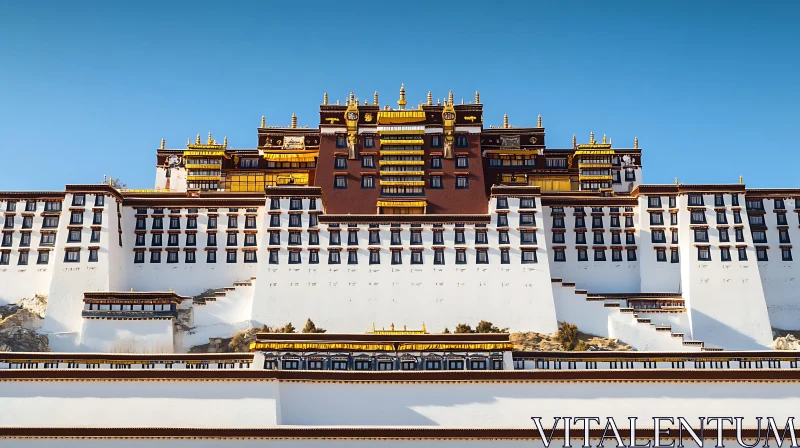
(400, 116)
(308, 156)
(401, 162)
(403, 183)
(402, 203)
(402, 142)
(402, 152)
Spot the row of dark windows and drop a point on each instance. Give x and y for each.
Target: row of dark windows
(560, 255)
(434, 182)
(294, 204)
(49, 206)
(43, 257)
(435, 141)
(191, 222)
(694, 200)
(598, 238)
(502, 203)
(369, 364)
(190, 256)
(597, 222)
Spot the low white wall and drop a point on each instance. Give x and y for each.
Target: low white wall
(117, 404)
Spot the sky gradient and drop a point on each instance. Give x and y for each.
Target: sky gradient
(89, 88)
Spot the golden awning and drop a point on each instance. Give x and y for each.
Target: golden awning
(402, 142)
(320, 346)
(455, 346)
(598, 152)
(402, 173)
(402, 203)
(603, 177)
(400, 116)
(402, 152)
(403, 183)
(308, 156)
(292, 178)
(204, 153)
(203, 177)
(401, 162)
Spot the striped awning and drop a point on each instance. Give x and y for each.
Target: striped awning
(400, 116)
(401, 162)
(403, 183)
(402, 142)
(402, 152)
(597, 152)
(402, 173)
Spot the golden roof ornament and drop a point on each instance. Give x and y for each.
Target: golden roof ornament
(294, 120)
(574, 141)
(635, 142)
(375, 98)
(430, 98)
(188, 141)
(450, 98)
(741, 180)
(676, 181)
(604, 139)
(401, 103)
(438, 101)
(505, 120)
(263, 122)
(423, 327)
(325, 98)
(591, 138)
(225, 142)
(210, 140)
(352, 98)
(477, 97)
(609, 141)
(539, 121)
(163, 143)
(358, 101)
(198, 140)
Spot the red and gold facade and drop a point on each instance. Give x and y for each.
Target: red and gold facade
(424, 159)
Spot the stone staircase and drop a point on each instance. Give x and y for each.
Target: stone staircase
(631, 326)
(221, 314)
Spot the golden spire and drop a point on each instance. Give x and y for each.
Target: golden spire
(539, 121)
(477, 100)
(430, 98)
(741, 180)
(210, 141)
(352, 98)
(635, 142)
(450, 98)
(609, 141)
(225, 141)
(438, 101)
(188, 141)
(325, 98)
(591, 138)
(574, 141)
(676, 181)
(198, 139)
(358, 101)
(375, 98)
(294, 120)
(263, 122)
(401, 103)
(423, 327)
(604, 139)
(373, 327)
(505, 120)
(163, 143)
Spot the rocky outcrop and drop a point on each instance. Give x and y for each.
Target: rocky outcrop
(538, 342)
(788, 342)
(19, 324)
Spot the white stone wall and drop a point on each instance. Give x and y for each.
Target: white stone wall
(657, 276)
(127, 336)
(177, 179)
(725, 300)
(351, 298)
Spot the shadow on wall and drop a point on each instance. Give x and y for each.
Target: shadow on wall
(718, 334)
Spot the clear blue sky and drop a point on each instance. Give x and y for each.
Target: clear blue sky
(90, 87)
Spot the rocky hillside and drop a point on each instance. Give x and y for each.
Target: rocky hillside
(538, 342)
(19, 325)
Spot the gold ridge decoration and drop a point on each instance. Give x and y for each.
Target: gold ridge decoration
(320, 346)
(402, 173)
(402, 152)
(402, 142)
(404, 183)
(401, 162)
(401, 103)
(305, 156)
(400, 116)
(439, 346)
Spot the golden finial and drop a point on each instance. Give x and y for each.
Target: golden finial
(263, 122)
(676, 181)
(610, 142)
(170, 290)
(591, 138)
(423, 327)
(375, 98)
(604, 139)
(373, 327)
(131, 289)
(392, 327)
(325, 98)
(450, 98)
(163, 143)
(505, 120)
(404, 328)
(386, 107)
(188, 141)
(294, 120)
(358, 101)
(438, 101)
(741, 180)
(198, 139)
(225, 141)
(539, 122)
(401, 103)
(430, 98)
(574, 141)
(352, 98)
(635, 142)
(105, 178)
(209, 138)
(477, 97)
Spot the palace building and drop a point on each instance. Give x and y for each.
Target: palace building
(413, 215)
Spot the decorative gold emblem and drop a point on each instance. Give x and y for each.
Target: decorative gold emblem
(352, 115)
(367, 116)
(471, 118)
(278, 142)
(533, 140)
(332, 120)
(449, 116)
